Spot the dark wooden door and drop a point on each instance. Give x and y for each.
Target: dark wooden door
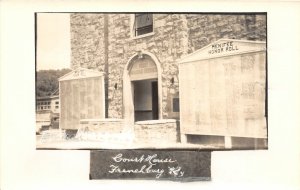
(154, 100)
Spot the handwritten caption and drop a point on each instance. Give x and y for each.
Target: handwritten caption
(145, 164)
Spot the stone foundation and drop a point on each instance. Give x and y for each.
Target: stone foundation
(102, 125)
(156, 131)
(151, 131)
(112, 131)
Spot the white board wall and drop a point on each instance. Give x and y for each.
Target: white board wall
(224, 95)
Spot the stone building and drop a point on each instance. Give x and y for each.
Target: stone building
(139, 53)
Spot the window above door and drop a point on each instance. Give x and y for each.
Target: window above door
(142, 25)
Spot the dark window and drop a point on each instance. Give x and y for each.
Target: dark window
(56, 102)
(56, 107)
(143, 24)
(176, 105)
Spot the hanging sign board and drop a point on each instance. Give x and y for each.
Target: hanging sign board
(223, 90)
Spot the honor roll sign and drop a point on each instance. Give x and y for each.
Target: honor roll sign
(223, 90)
(81, 97)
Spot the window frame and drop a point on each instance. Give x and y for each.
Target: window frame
(133, 27)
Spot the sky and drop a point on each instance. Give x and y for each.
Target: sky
(53, 41)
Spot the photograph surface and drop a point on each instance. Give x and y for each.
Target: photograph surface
(151, 81)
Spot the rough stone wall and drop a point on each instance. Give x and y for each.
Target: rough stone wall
(168, 43)
(87, 44)
(207, 28)
(175, 35)
(119, 32)
(105, 131)
(116, 126)
(164, 132)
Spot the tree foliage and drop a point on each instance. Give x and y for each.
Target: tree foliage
(47, 81)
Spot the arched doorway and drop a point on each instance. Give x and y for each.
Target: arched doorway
(142, 88)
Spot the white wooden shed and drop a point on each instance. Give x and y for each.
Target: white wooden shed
(223, 90)
(81, 97)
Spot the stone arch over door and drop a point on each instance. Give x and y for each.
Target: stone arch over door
(132, 73)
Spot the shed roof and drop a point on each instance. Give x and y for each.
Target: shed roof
(81, 73)
(224, 47)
